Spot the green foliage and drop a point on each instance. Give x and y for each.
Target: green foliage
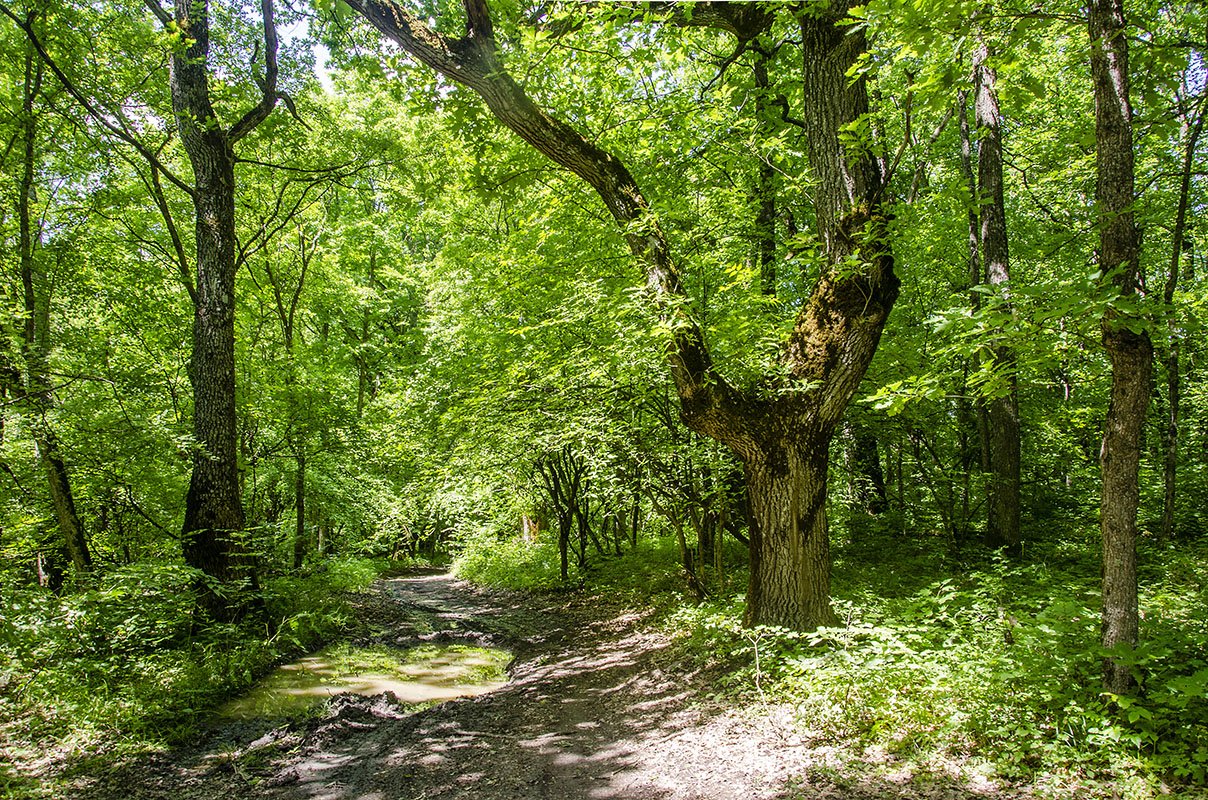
(999, 663)
(122, 665)
(425, 306)
(508, 562)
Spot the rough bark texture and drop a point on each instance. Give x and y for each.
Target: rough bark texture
(790, 542)
(1002, 453)
(1130, 352)
(981, 418)
(213, 508)
(783, 441)
(214, 517)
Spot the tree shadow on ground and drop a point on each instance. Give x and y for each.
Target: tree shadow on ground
(598, 709)
(605, 720)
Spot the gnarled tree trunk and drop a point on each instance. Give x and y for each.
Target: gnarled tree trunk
(790, 542)
(782, 439)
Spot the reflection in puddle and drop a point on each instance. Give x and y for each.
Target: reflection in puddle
(425, 674)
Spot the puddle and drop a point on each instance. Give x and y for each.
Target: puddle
(421, 675)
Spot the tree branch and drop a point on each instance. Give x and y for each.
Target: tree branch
(159, 11)
(182, 260)
(268, 88)
(89, 106)
(709, 403)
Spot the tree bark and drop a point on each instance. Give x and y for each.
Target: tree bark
(765, 217)
(1002, 409)
(867, 475)
(790, 542)
(1179, 245)
(1124, 336)
(781, 436)
(974, 271)
(214, 516)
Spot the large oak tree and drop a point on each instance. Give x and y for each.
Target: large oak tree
(781, 431)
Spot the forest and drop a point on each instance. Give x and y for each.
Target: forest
(858, 345)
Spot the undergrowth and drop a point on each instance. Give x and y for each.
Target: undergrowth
(994, 661)
(119, 666)
(944, 654)
(509, 562)
(650, 573)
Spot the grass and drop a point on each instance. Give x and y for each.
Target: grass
(968, 658)
(948, 658)
(117, 668)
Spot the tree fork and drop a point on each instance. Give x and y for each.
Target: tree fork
(782, 441)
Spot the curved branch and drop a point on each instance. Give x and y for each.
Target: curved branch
(709, 403)
(182, 260)
(159, 11)
(268, 87)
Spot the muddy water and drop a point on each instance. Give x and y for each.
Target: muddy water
(421, 675)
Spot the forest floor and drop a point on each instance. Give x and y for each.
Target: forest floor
(598, 706)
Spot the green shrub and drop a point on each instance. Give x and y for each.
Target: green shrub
(1001, 663)
(120, 665)
(509, 562)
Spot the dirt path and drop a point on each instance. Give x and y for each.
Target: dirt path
(597, 708)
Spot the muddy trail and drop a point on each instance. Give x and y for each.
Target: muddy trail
(598, 706)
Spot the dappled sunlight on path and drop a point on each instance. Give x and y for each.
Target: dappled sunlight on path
(596, 709)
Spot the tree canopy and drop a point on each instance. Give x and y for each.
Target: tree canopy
(577, 293)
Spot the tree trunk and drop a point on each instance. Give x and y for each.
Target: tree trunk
(214, 518)
(790, 544)
(981, 416)
(300, 509)
(36, 342)
(1130, 352)
(864, 467)
(765, 217)
(1002, 409)
(213, 510)
(835, 333)
(1181, 243)
(362, 363)
(635, 519)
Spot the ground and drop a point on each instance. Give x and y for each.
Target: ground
(599, 706)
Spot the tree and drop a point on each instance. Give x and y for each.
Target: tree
(1124, 336)
(213, 508)
(1001, 410)
(782, 431)
(36, 339)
